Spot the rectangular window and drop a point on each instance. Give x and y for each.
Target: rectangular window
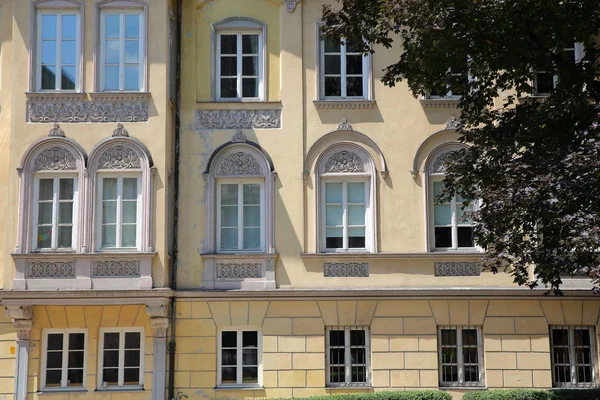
(58, 51)
(121, 51)
(544, 81)
(239, 357)
(345, 215)
(121, 357)
(239, 66)
(348, 356)
(453, 226)
(461, 356)
(54, 213)
(240, 216)
(119, 212)
(344, 71)
(573, 356)
(63, 359)
(458, 87)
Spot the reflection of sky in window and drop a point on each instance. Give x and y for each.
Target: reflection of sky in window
(69, 26)
(48, 26)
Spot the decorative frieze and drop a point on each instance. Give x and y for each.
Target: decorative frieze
(240, 163)
(238, 119)
(127, 269)
(344, 104)
(56, 269)
(239, 270)
(346, 270)
(344, 161)
(119, 157)
(462, 268)
(55, 159)
(48, 109)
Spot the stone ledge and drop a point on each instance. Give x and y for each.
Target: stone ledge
(449, 102)
(346, 104)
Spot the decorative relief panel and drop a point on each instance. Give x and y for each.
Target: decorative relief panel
(239, 270)
(119, 157)
(290, 5)
(55, 159)
(239, 163)
(238, 119)
(129, 269)
(55, 110)
(344, 161)
(44, 269)
(359, 270)
(457, 268)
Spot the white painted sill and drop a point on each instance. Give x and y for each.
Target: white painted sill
(343, 104)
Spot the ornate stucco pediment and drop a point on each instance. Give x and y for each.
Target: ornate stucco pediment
(239, 163)
(55, 159)
(344, 161)
(119, 157)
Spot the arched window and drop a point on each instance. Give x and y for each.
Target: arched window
(239, 206)
(450, 228)
(52, 184)
(121, 173)
(346, 199)
(239, 69)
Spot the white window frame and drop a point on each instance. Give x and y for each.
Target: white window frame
(347, 357)
(239, 58)
(121, 332)
(65, 359)
(138, 232)
(449, 95)
(239, 350)
(579, 51)
(572, 357)
(460, 358)
(55, 210)
(142, 49)
(240, 183)
(59, 12)
(344, 179)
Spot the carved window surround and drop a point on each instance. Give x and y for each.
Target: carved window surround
(71, 107)
(444, 102)
(344, 104)
(79, 271)
(249, 271)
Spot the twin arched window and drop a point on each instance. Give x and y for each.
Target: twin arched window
(61, 189)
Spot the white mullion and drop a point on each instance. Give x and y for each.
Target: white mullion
(239, 355)
(347, 356)
(121, 51)
(58, 77)
(121, 364)
(345, 215)
(459, 356)
(65, 359)
(343, 78)
(239, 58)
(571, 344)
(454, 222)
(119, 205)
(55, 188)
(240, 202)
(480, 356)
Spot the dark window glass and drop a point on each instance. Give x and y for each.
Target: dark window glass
(465, 236)
(53, 377)
(131, 376)
(250, 339)
(111, 340)
(110, 376)
(229, 87)
(76, 341)
(354, 86)
(448, 337)
(250, 87)
(132, 340)
(75, 377)
(229, 339)
(449, 355)
(336, 338)
(357, 338)
(334, 242)
(229, 375)
(228, 66)
(471, 373)
(332, 65)
(76, 359)
(249, 44)
(333, 86)
(132, 358)
(228, 44)
(111, 358)
(560, 337)
(54, 359)
(250, 374)
(359, 374)
(354, 64)
(337, 374)
(355, 242)
(443, 236)
(544, 82)
(250, 357)
(55, 341)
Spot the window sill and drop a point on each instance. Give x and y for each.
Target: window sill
(56, 95)
(239, 105)
(61, 390)
(243, 256)
(122, 96)
(241, 388)
(345, 388)
(442, 102)
(424, 255)
(121, 389)
(463, 388)
(344, 104)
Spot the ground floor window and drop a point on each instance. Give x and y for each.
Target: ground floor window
(63, 362)
(121, 357)
(573, 356)
(460, 356)
(348, 356)
(239, 357)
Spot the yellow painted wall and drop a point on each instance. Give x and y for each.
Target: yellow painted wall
(8, 336)
(404, 341)
(16, 135)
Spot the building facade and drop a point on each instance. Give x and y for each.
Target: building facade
(86, 133)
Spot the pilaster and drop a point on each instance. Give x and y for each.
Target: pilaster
(22, 317)
(159, 318)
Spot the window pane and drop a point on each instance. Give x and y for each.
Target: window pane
(53, 377)
(334, 215)
(470, 355)
(109, 212)
(76, 359)
(111, 340)
(65, 236)
(67, 81)
(469, 337)
(228, 339)
(49, 26)
(249, 66)
(250, 87)
(359, 374)
(132, 51)
(48, 77)
(228, 88)
(132, 358)
(109, 236)
(560, 337)
(463, 216)
(336, 338)
(252, 194)
(44, 237)
(229, 238)
(337, 375)
(356, 192)
(582, 337)
(354, 87)
(450, 373)
(76, 341)
(334, 238)
(448, 337)
(68, 52)
(112, 52)
(357, 338)
(228, 375)
(251, 216)
(584, 374)
(229, 216)
(49, 52)
(69, 27)
(132, 77)
(75, 377)
(109, 189)
(111, 78)
(333, 193)
(129, 211)
(333, 86)
(250, 357)
(561, 355)
(228, 44)
(44, 213)
(471, 373)
(132, 25)
(55, 341)
(111, 358)
(250, 374)
(465, 237)
(356, 215)
(128, 236)
(228, 357)
(333, 65)
(251, 238)
(131, 376)
(130, 188)
(46, 191)
(66, 189)
(544, 82)
(132, 340)
(354, 64)
(110, 376)
(54, 359)
(443, 236)
(229, 194)
(356, 238)
(331, 45)
(249, 44)
(250, 339)
(449, 355)
(112, 25)
(443, 214)
(228, 66)
(358, 356)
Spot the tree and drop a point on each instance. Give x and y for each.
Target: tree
(534, 162)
